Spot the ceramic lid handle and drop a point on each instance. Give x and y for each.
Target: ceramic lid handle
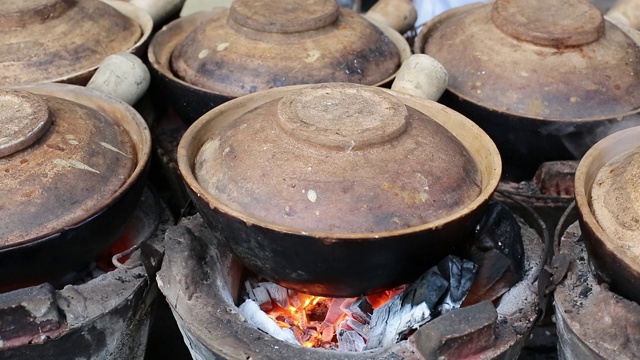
(123, 76)
(400, 15)
(626, 12)
(423, 76)
(159, 10)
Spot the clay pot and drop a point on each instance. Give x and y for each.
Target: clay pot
(207, 58)
(338, 189)
(65, 40)
(608, 200)
(545, 79)
(73, 162)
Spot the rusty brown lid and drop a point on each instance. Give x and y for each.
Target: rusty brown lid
(69, 161)
(284, 16)
(305, 160)
(549, 59)
(549, 23)
(255, 46)
(615, 199)
(50, 40)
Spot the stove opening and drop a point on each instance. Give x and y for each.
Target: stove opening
(488, 269)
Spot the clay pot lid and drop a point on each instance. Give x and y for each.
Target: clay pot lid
(51, 40)
(544, 59)
(60, 162)
(255, 46)
(337, 159)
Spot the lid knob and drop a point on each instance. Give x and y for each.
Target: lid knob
(284, 16)
(342, 117)
(549, 22)
(17, 14)
(24, 118)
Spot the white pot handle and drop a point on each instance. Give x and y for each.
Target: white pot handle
(159, 10)
(423, 76)
(123, 76)
(399, 15)
(626, 12)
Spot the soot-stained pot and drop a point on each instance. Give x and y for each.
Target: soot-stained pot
(207, 58)
(608, 199)
(73, 162)
(338, 189)
(545, 79)
(65, 40)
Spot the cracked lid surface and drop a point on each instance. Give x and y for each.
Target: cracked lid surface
(49, 40)
(339, 158)
(65, 173)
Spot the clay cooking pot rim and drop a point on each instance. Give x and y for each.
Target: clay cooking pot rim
(127, 117)
(588, 168)
(475, 140)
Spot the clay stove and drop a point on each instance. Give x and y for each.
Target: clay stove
(592, 321)
(100, 315)
(201, 282)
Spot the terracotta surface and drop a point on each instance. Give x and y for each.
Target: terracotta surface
(62, 40)
(257, 46)
(545, 59)
(83, 159)
(309, 158)
(615, 258)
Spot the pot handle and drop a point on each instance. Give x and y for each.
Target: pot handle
(625, 12)
(399, 15)
(122, 76)
(159, 10)
(423, 76)
(192, 6)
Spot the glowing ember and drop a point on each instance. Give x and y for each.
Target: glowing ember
(316, 321)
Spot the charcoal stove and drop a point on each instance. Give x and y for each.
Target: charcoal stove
(95, 314)
(201, 284)
(592, 321)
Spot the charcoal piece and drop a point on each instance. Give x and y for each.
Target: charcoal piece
(500, 230)
(350, 341)
(460, 273)
(428, 289)
(409, 310)
(258, 318)
(261, 296)
(277, 293)
(334, 313)
(360, 310)
(499, 253)
(355, 325)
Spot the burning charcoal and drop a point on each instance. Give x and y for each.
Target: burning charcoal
(460, 274)
(361, 310)
(353, 324)
(294, 300)
(318, 311)
(254, 315)
(277, 293)
(499, 253)
(262, 298)
(334, 313)
(350, 341)
(409, 310)
(327, 333)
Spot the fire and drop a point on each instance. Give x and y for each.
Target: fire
(315, 320)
